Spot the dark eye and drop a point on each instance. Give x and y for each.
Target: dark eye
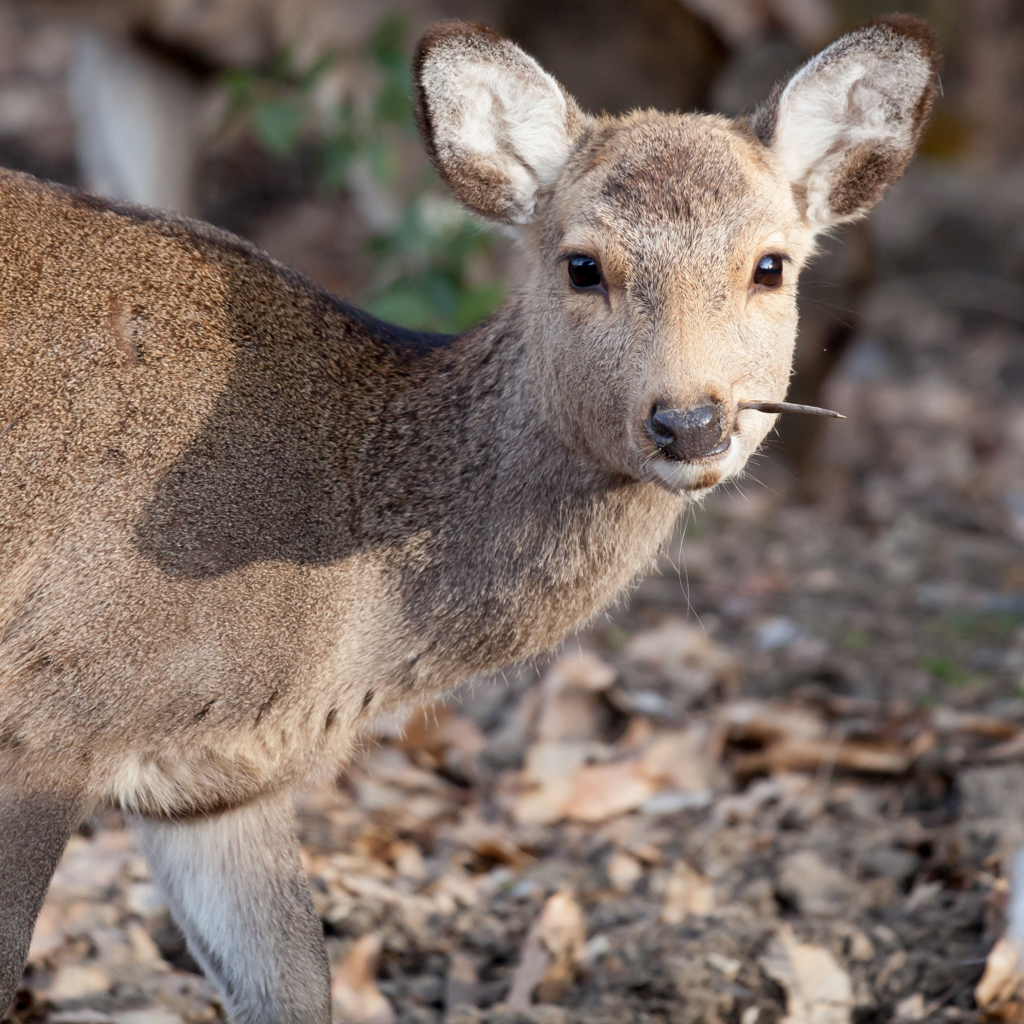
(584, 272)
(768, 272)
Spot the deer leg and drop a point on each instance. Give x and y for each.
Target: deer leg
(34, 829)
(238, 891)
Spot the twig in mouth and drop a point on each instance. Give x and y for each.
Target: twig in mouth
(807, 410)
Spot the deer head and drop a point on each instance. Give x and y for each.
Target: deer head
(660, 252)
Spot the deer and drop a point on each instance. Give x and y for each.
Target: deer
(241, 518)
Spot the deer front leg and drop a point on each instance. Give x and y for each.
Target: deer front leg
(238, 891)
(34, 829)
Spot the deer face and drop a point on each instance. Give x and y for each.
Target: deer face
(662, 251)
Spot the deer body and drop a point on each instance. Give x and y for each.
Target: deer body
(305, 517)
(239, 518)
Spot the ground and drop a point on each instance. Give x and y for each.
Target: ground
(783, 777)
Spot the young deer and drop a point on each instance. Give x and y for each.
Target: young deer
(239, 518)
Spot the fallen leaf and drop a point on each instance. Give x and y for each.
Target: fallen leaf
(804, 754)
(818, 990)
(624, 871)
(570, 708)
(1000, 985)
(150, 1015)
(688, 892)
(1010, 750)
(583, 671)
(436, 729)
(354, 990)
(78, 981)
(911, 1008)
(752, 721)
(553, 950)
(602, 791)
(684, 654)
(549, 768)
(679, 759)
(408, 860)
(488, 839)
(951, 720)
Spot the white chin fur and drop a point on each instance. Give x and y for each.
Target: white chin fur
(692, 478)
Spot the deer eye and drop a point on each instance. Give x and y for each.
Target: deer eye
(768, 272)
(584, 272)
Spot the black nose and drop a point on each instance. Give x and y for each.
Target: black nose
(685, 434)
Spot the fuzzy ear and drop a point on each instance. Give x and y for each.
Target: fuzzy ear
(497, 126)
(846, 124)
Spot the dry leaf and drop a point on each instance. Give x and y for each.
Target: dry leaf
(688, 892)
(753, 721)
(911, 1008)
(582, 671)
(150, 1015)
(951, 720)
(818, 990)
(1000, 985)
(800, 754)
(568, 714)
(601, 791)
(679, 759)
(570, 708)
(78, 981)
(408, 860)
(684, 654)
(354, 990)
(488, 839)
(550, 768)
(553, 950)
(1010, 750)
(624, 871)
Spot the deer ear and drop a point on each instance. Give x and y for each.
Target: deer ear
(846, 124)
(497, 126)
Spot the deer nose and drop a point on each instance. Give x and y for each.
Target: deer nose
(686, 434)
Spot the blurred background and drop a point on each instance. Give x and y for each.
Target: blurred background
(783, 780)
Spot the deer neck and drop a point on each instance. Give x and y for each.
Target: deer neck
(512, 538)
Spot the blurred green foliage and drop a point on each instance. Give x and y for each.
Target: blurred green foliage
(425, 263)
(946, 671)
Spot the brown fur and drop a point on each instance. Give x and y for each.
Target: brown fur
(239, 517)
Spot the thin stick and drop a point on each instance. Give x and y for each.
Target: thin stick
(807, 410)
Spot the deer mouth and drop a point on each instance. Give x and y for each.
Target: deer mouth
(698, 473)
